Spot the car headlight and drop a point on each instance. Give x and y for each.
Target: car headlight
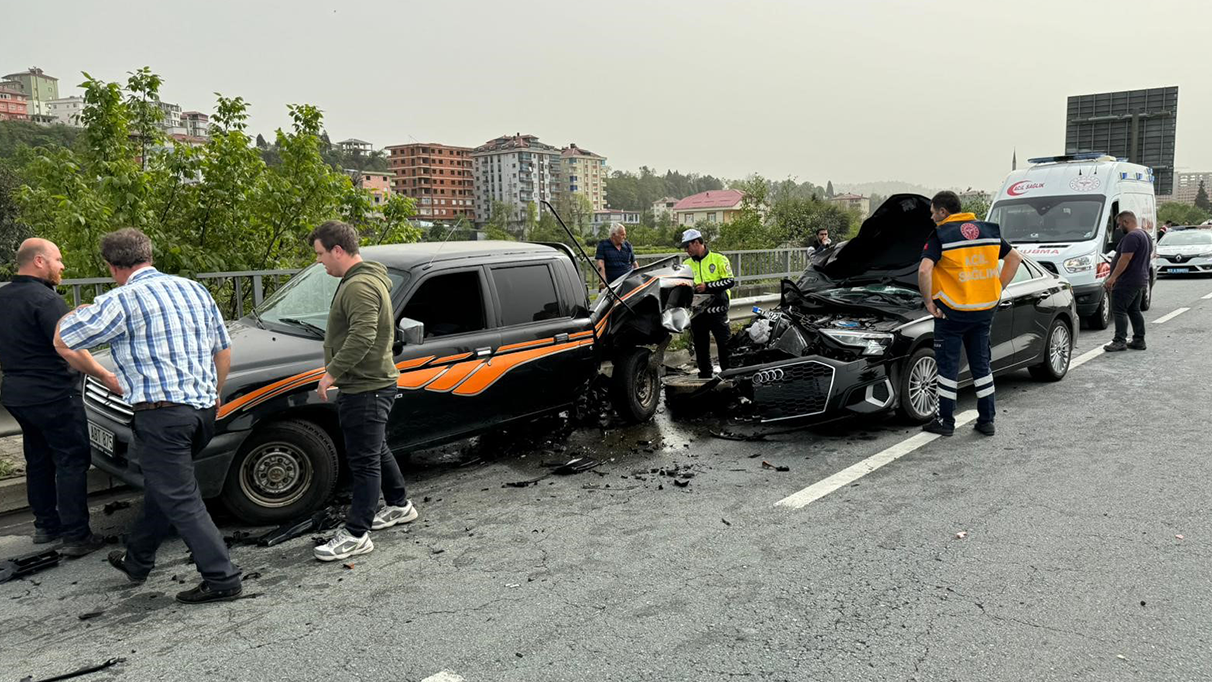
(872, 343)
(1080, 263)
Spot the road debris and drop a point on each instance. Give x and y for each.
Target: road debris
(28, 564)
(114, 506)
(961, 535)
(251, 576)
(1179, 537)
(348, 566)
(726, 522)
(325, 519)
(78, 673)
(91, 615)
(681, 483)
(768, 465)
(576, 466)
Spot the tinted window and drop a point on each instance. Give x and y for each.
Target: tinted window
(527, 294)
(448, 304)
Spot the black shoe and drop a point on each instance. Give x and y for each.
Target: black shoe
(203, 594)
(1115, 347)
(1137, 345)
(43, 536)
(986, 428)
(117, 559)
(937, 426)
(82, 546)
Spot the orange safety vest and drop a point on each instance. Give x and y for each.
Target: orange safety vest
(967, 277)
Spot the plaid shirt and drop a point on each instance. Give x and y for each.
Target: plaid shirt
(163, 333)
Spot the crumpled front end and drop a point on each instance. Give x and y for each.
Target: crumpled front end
(648, 304)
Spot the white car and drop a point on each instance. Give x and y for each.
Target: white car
(1185, 252)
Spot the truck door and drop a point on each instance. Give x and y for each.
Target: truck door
(460, 337)
(546, 351)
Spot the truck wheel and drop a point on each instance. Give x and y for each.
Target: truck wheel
(1101, 318)
(635, 388)
(918, 387)
(284, 470)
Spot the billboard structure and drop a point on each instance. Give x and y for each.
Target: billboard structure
(1137, 125)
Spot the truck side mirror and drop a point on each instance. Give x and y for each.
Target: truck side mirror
(409, 332)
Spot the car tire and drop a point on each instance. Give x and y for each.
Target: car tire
(1058, 353)
(635, 387)
(282, 471)
(1101, 317)
(918, 374)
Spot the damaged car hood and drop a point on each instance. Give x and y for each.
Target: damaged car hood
(887, 249)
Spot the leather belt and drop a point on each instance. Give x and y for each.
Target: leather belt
(139, 407)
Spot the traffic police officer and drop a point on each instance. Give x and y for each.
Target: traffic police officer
(712, 275)
(960, 281)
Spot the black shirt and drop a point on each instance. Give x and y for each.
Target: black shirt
(618, 260)
(34, 372)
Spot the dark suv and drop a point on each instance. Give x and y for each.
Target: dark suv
(488, 333)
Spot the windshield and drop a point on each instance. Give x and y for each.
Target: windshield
(1186, 238)
(887, 292)
(1048, 219)
(303, 302)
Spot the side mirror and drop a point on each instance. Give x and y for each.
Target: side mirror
(409, 332)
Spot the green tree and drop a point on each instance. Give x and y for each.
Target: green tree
(976, 205)
(1181, 214)
(12, 231)
(829, 190)
(577, 212)
(17, 135)
(1201, 199)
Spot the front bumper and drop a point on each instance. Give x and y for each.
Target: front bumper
(1195, 266)
(210, 465)
(814, 388)
(1087, 297)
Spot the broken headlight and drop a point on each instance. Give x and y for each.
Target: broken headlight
(871, 343)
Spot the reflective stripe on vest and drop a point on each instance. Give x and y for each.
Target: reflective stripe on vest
(712, 268)
(967, 277)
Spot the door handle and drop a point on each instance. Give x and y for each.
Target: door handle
(561, 338)
(483, 352)
(1006, 304)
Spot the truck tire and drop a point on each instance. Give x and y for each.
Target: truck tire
(1101, 317)
(635, 387)
(284, 470)
(917, 389)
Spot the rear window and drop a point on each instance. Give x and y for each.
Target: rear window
(527, 294)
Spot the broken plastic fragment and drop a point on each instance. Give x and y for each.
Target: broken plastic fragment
(961, 535)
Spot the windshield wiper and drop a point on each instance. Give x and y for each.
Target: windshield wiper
(316, 331)
(257, 316)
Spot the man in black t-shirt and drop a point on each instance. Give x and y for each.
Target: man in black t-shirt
(1128, 282)
(42, 391)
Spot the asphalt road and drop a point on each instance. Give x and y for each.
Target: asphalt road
(1072, 567)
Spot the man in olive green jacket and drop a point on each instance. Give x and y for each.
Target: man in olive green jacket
(358, 360)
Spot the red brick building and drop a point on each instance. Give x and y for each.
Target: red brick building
(437, 176)
(14, 106)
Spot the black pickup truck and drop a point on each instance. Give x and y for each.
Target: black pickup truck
(488, 333)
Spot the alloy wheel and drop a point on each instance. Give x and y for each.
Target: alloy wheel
(1060, 350)
(923, 386)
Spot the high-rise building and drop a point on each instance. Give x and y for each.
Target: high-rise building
(14, 106)
(1186, 186)
(582, 172)
(66, 110)
(39, 89)
(437, 177)
(514, 169)
(196, 123)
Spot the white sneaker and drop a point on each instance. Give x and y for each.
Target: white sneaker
(389, 516)
(344, 545)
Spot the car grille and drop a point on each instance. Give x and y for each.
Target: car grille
(794, 390)
(1050, 267)
(98, 397)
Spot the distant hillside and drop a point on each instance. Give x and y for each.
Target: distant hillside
(884, 188)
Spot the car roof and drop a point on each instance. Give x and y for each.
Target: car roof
(406, 256)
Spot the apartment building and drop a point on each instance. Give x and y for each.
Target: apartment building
(854, 202)
(66, 110)
(378, 183)
(714, 206)
(602, 220)
(437, 177)
(580, 171)
(38, 88)
(662, 206)
(515, 169)
(356, 147)
(196, 123)
(14, 105)
(1186, 186)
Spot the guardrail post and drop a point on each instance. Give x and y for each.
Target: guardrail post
(239, 297)
(736, 271)
(787, 263)
(257, 290)
(75, 295)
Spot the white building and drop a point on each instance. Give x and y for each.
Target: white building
(66, 110)
(663, 205)
(197, 124)
(171, 123)
(356, 147)
(517, 170)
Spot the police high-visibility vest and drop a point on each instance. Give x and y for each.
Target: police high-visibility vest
(715, 271)
(967, 277)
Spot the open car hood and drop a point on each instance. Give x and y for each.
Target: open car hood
(887, 248)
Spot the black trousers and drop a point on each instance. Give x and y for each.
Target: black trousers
(57, 456)
(372, 467)
(166, 440)
(1125, 305)
(702, 328)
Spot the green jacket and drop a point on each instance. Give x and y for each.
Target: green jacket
(714, 270)
(357, 344)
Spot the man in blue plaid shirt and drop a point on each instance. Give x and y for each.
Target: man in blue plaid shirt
(172, 354)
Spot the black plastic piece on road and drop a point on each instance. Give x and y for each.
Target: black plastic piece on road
(28, 564)
(78, 673)
(325, 519)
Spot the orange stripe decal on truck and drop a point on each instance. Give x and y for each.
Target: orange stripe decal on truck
(262, 394)
(454, 377)
(498, 366)
(419, 377)
(414, 363)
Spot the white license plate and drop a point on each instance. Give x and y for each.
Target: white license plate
(101, 439)
(1181, 271)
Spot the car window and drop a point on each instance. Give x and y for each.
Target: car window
(448, 304)
(1024, 273)
(527, 294)
(307, 298)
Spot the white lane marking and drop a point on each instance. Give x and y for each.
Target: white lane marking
(1206, 297)
(1170, 316)
(444, 676)
(1086, 357)
(852, 473)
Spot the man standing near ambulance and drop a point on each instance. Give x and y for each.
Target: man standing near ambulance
(962, 286)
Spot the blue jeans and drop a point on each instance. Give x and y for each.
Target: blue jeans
(372, 467)
(973, 337)
(57, 456)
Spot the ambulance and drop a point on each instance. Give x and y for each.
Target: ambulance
(1061, 212)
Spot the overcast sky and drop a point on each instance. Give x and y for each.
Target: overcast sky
(937, 93)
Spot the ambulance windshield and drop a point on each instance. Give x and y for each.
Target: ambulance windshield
(1048, 219)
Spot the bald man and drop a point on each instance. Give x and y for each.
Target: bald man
(41, 389)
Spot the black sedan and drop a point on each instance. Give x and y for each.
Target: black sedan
(852, 336)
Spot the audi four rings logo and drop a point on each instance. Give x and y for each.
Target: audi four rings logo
(768, 376)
